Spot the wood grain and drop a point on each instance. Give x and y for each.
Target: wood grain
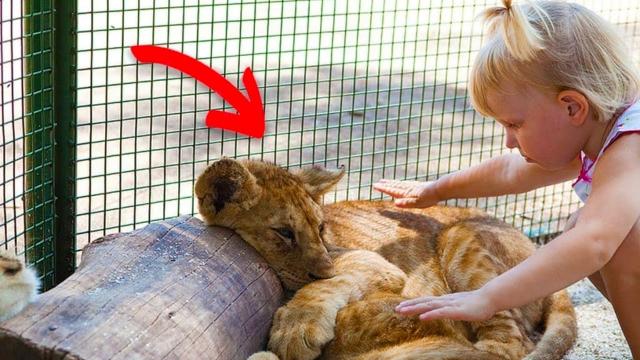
(173, 290)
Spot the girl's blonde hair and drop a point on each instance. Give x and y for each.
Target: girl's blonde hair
(555, 46)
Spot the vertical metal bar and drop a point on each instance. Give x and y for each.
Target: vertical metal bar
(39, 125)
(64, 97)
(49, 84)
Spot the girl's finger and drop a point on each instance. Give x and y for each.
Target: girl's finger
(417, 300)
(393, 192)
(383, 187)
(422, 307)
(405, 202)
(413, 183)
(389, 185)
(446, 312)
(399, 184)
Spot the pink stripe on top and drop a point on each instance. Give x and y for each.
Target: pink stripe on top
(628, 122)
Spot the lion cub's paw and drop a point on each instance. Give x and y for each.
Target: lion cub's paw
(371, 271)
(301, 333)
(263, 355)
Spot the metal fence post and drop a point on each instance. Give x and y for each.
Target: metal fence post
(49, 118)
(39, 194)
(64, 97)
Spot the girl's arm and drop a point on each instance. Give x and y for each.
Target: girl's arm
(501, 175)
(612, 210)
(505, 174)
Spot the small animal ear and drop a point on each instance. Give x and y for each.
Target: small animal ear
(317, 180)
(9, 264)
(226, 182)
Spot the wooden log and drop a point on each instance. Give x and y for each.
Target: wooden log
(175, 289)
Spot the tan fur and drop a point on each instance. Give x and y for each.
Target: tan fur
(18, 284)
(353, 262)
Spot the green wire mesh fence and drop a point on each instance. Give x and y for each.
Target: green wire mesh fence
(95, 143)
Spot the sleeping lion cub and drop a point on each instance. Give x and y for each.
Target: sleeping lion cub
(352, 262)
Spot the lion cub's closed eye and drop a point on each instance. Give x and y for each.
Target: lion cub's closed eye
(19, 284)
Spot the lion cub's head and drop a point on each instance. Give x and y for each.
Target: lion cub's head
(275, 210)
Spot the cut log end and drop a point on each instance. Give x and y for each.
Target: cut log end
(174, 289)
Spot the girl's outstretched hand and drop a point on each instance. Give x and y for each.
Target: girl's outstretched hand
(468, 306)
(409, 194)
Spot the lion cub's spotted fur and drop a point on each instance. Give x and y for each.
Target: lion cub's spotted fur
(352, 262)
(18, 284)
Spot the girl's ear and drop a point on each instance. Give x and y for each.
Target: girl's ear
(576, 106)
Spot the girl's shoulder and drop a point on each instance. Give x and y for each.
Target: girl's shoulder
(627, 122)
(630, 119)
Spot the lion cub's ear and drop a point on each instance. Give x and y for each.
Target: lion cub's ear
(317, 180)
(226, 183)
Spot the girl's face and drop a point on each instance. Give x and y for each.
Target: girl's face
(539, 124)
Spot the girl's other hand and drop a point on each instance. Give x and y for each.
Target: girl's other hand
(468, 306)
(409, 194)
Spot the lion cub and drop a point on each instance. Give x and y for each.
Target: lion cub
(352, 262)
(19, 284)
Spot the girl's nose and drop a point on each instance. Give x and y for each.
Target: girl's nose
(510, 140)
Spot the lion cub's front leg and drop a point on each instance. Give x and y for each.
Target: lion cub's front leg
(306, 323)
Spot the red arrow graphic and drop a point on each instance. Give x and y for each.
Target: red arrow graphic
(250, 117)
